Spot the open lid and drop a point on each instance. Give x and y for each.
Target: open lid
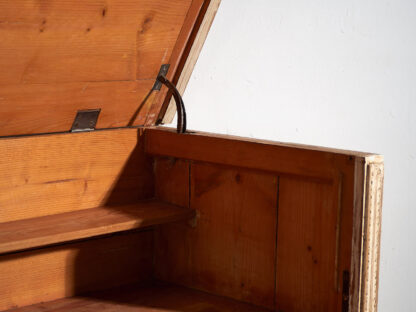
(60, 57)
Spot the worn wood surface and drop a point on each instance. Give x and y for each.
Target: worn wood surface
(44, 175)
(194, 52)
(231, 249)
(48, 274)
(368, 195)
(372, 232)
(153, 298)
(57, 58)
(64, 227)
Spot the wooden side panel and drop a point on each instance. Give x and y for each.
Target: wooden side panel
(231, 251)
(307, 246)
(172, 180)
(48, 274)
(44, 175)
(58, 57)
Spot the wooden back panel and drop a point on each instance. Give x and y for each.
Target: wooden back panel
(47, 274)
(49, 174)
(58, 57)
(278, 225)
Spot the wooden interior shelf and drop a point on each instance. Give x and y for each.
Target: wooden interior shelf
(153, 298)
(64, 227)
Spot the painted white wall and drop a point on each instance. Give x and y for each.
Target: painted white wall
(327, 72)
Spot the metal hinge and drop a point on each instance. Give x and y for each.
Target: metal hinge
(345, 291)
(180, 106)
(85, 120)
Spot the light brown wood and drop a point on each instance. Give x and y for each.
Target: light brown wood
(256, 154)
(193, 57)
(153, 298)
(48, 274)
(44, 175)
(306, 246)
(64, 227)
(230, 250)
(57, 58)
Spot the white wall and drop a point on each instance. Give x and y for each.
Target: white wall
(327, 72)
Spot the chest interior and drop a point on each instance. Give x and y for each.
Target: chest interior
(135, 217)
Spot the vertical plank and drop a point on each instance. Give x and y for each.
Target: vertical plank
(307, 246)
(172, 241)
(231, 250)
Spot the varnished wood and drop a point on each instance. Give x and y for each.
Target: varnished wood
(153, 298)
(57, 58)
(52, 273)
(88, 223)
(230, 250)
(49, 174)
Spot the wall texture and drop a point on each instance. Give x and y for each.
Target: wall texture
(327, 72)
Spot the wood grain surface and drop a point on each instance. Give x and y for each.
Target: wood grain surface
(152, 298)
(281, 158)
(231, 249)
(44, 175)
(57, 58)
(306, 253)
(52, 273)
(87, 223)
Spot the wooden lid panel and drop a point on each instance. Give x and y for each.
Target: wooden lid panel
(58, 57)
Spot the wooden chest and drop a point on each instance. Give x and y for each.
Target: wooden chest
(101, 209)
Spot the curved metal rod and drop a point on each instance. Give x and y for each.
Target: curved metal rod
(180, 106)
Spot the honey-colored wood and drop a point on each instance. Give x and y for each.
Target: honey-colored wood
(52, 273)
(306, 246)
(281, 158)
(57, 58)
(318, 185)
(193, 57)
(49, 174)
(153, 298)
(230, 250)
(64, 227)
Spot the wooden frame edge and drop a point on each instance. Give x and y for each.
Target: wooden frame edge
(193, 57)
(368, 200)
